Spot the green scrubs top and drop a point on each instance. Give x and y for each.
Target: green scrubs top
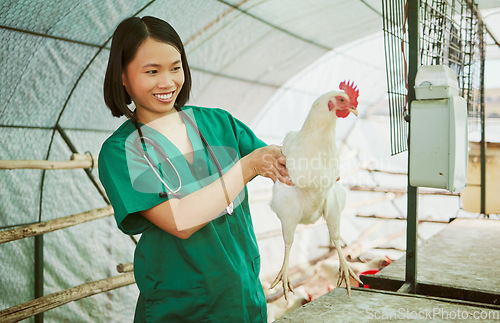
(213, 276)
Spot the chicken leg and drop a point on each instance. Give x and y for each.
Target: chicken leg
(288, 230)
(332, 212)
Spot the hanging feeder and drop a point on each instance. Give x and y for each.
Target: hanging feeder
(438, 127)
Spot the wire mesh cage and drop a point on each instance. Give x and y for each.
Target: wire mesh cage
(450, 34)
(396, 58)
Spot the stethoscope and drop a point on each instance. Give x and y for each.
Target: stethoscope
(140, 144)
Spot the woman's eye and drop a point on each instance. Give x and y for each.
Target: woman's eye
(152, 71)
(177, 68)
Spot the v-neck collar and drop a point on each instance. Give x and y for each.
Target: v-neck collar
(193, 136)
(172, 150)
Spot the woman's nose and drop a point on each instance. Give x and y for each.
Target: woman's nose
(165, 81)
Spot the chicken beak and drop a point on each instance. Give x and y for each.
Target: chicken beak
(354, 110)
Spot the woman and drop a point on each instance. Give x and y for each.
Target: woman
(197, 259)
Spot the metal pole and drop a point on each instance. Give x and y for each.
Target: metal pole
(87, 171)
(412, 196)
(482, 114)
(39, 279)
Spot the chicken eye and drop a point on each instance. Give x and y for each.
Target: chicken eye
(342, 99)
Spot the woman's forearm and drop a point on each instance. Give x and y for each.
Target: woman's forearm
(206, 204)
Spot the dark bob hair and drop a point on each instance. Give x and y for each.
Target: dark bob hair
(127, 39)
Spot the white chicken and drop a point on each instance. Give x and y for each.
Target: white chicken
(313, 165)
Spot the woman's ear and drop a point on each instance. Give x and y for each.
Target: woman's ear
(124, 80)
(128, 99)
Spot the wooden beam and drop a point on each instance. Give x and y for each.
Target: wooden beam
(125, 268)
(53, 225)
(76, 161)
(48, 302)
(373, 244)
(397, 190)
(375, 170)
(385, 217)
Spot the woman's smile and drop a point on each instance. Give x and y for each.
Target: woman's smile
(165, 97)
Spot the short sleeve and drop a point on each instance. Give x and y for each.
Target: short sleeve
(118, 169)
(247, 140)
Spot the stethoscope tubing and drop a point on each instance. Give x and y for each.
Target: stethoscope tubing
(145, 155)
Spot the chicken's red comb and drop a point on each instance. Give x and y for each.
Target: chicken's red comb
(351, 91)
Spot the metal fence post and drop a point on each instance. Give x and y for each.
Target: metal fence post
(412, 195)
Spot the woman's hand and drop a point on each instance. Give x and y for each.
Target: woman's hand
(267, 161)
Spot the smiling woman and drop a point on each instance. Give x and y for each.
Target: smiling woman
(153, 79)
(195, 261)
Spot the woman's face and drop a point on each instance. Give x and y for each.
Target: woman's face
(153, 79)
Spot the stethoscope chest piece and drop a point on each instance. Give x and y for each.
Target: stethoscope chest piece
(230, 209)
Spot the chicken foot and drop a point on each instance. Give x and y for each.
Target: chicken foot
(288, 226)
(283, 275)
(345, 271)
